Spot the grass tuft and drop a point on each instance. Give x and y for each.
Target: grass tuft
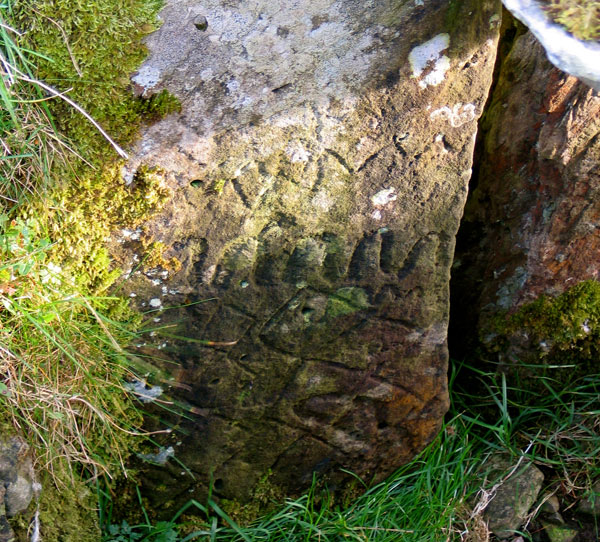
(61, 369)
(62, 365)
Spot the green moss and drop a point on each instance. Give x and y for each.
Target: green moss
(265, 496)
(346, 301)
(92, 48)
(67, 513)
(453, 14)
(159, 105)
(580, 17)
(565, 329)
(88, 210)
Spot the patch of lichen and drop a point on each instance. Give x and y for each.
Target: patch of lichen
(347, 301)
(561, 330)
(580, 17)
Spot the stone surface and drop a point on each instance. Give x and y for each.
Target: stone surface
(530, 227)
(551, 505)
(18, 495)
(16, 482)
(591, 504)
(559, 533)
(514, 497)
(319, 169)
(16, 475)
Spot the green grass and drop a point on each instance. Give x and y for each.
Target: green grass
(558, 424)
(28, 140)
(62, 364)
(424, 501)
(439, 496)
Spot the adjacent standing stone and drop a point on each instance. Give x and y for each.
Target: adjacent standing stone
(531, 226)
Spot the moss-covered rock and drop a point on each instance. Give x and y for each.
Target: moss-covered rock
(525, 276)
(553, 332)
(68, 513)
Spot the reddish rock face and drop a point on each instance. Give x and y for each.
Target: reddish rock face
(532, 224)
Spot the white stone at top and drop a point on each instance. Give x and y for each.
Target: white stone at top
(429, 55)
(147, 76)
(579, 58)
(298, 50)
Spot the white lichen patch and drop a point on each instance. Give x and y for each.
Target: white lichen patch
(322, 201)
(132, 235)
(148, 77)
(457, 116)
(155, 302)
(384, 197)
(144, 393)
(209, 274)
(127, 175)
(439, 139)
(207, 74)
(297, 153)
(429, 57)
(233, 85)
(159, 458)
(585, 326)
(381, 392)
(51, 274)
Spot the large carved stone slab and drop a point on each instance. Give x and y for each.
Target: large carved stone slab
(319, 169)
